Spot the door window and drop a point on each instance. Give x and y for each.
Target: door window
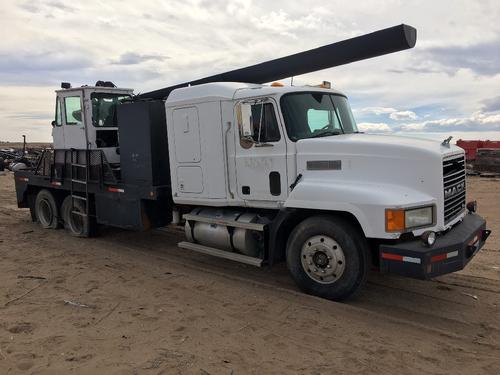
(73, 110)
(258, 124)
(58, 112)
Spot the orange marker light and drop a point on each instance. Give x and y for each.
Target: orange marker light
(394, 220)
(277, 84)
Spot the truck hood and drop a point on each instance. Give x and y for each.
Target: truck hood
(365, 170)
(376, 145)
(368, 158)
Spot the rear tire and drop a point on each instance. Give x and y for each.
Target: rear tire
(46, 210)
(328, 257)
(76, 225)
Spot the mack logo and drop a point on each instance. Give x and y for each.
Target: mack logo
(454, 190)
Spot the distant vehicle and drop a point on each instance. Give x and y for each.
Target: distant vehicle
(260, 173)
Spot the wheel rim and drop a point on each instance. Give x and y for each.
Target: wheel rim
(76, 221)
(322, 259)
(45, 213)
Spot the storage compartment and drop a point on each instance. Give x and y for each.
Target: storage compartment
(143, 143)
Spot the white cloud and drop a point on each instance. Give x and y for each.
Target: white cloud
(403, 115)
(377, 110)
(370, 127)
(477, 122)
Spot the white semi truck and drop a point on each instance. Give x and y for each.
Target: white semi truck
(260, 174)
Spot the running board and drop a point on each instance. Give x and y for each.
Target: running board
(221, 253)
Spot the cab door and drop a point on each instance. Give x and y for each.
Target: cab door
(73, 120)
(57, 127)
(260, 151)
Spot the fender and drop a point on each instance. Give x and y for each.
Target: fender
(365, 201)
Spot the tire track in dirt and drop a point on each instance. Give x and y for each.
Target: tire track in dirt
(402, 308)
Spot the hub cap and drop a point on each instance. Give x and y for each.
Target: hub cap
(322, 259)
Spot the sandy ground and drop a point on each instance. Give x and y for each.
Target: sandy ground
(133, 303)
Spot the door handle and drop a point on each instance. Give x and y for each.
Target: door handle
(264, 145)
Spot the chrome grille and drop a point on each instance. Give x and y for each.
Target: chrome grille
(454, 187)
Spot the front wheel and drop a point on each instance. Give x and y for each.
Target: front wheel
(327, 257)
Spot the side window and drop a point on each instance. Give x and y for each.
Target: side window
(104, 108)
(73, 110)
(58, 112)
(258, 124)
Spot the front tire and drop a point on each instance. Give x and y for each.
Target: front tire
(46, 211)
(327, 257)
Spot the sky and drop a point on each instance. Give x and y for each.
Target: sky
(449, 84)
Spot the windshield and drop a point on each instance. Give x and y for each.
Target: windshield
(104, 108)
(316, 114)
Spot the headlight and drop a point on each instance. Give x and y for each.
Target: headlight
(400, 220)
(418, 217)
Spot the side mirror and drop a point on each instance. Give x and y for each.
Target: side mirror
(244, 112)
(53, 123)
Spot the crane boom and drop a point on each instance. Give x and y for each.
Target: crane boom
(381, 42)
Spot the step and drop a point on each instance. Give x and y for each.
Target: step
(221, 253)
(83, 214)
(79, 181)
(79, 165)
(79, 197)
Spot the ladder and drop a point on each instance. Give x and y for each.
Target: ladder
(75, 166)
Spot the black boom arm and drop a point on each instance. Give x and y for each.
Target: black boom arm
(362, 47)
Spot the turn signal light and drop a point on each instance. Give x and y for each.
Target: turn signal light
(394, 220)
(277, 84)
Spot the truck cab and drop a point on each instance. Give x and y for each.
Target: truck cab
(299, 147)
(85, 118)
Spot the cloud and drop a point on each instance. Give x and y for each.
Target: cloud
(42, 61)
(403, 115)
(282, 23)
(393, 113)
(45, 7)
(481, 58)
(131, 58)
(30, 115)
(370, 127)
(477, 122)
(449, 74)
(377, 110)
(491, 105)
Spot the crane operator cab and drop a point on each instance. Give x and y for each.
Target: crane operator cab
(85, 118)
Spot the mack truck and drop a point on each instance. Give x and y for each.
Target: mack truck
(260, 173)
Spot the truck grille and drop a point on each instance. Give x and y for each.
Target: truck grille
(454, 187)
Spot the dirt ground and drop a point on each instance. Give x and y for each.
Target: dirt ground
(134, 303)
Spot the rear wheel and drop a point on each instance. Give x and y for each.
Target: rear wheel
(76, 222)
(46, 211)
(327, 257)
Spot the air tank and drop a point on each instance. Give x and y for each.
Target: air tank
(240, 240)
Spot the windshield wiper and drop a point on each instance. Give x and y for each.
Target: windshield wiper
(325, 133)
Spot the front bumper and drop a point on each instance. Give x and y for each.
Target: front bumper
(451, 252)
